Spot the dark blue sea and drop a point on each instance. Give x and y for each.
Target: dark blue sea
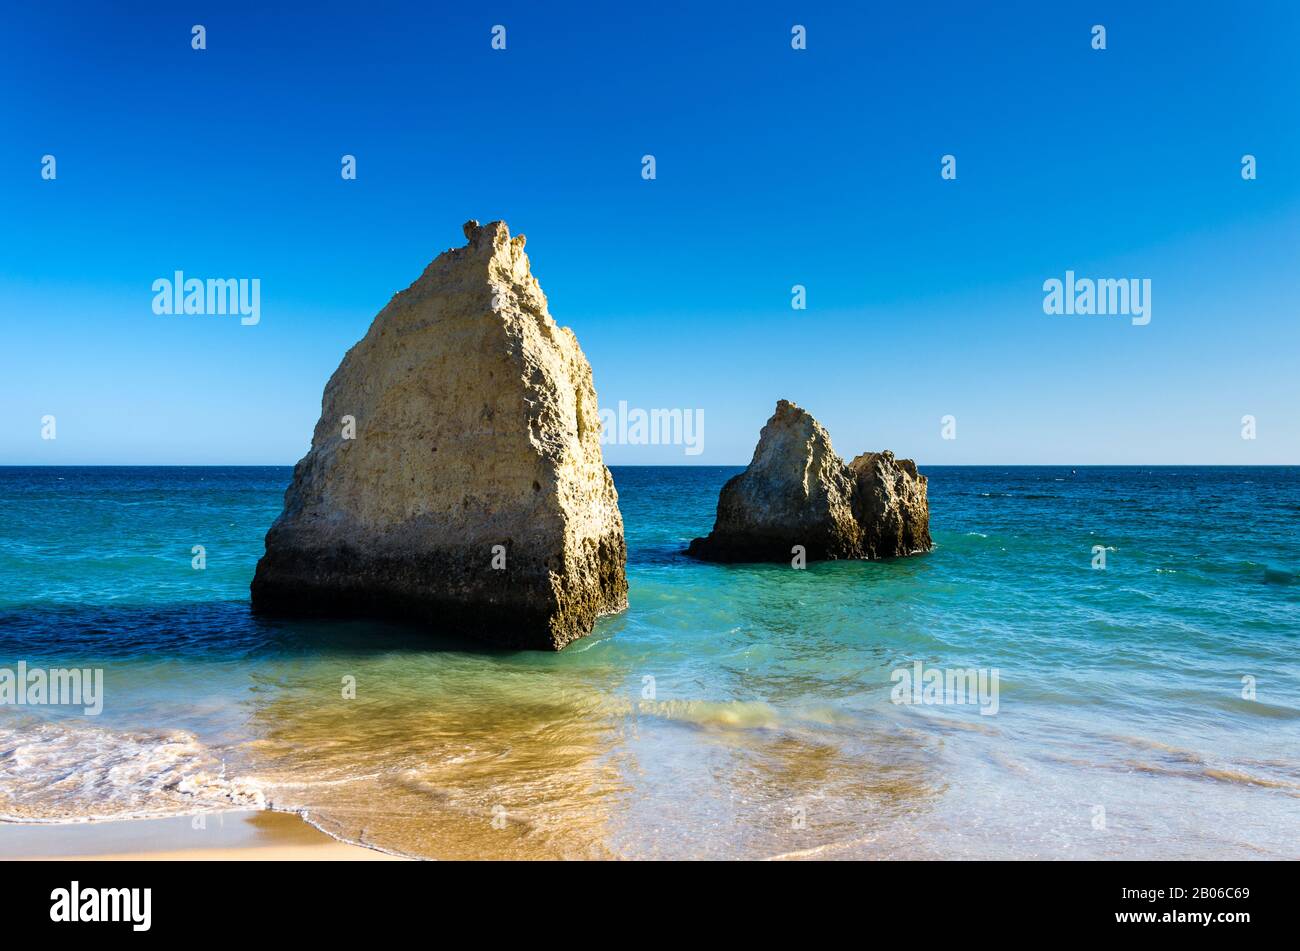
(1117, 654)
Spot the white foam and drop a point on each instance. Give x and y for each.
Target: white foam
(56, 771)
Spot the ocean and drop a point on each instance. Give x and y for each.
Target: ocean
(1149, 708)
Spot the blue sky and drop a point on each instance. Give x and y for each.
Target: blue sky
(775, 167)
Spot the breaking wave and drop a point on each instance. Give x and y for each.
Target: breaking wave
(74, 772)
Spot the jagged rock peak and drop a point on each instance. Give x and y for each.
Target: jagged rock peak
(798, 492)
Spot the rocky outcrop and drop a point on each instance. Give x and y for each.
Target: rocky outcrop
(455, 476)
(797, 491)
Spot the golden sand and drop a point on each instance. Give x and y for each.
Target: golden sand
(272, 836)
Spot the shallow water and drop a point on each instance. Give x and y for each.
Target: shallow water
(731, 711)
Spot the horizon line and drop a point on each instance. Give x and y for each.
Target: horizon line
(670, 465)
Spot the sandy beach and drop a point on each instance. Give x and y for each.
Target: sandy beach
(240, 836)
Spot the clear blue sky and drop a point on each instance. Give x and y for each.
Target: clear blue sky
(775, 167)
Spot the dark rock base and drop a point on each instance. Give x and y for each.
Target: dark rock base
(455, 592)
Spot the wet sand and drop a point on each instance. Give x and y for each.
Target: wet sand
(242, 836)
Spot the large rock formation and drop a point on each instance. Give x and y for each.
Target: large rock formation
(797, 491)
(455, 475)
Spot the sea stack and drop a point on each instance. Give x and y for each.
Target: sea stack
(797, 491)
(455, 476)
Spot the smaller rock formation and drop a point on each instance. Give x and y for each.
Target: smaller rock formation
(797, 491)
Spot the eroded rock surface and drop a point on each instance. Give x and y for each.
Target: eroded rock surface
(473, 495)
(797, 491)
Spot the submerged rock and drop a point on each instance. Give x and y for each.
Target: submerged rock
(797, 491)
(455, 476)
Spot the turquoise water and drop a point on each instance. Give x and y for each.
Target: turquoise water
(732, 711)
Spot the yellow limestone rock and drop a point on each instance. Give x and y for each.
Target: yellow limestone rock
(472, 495)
